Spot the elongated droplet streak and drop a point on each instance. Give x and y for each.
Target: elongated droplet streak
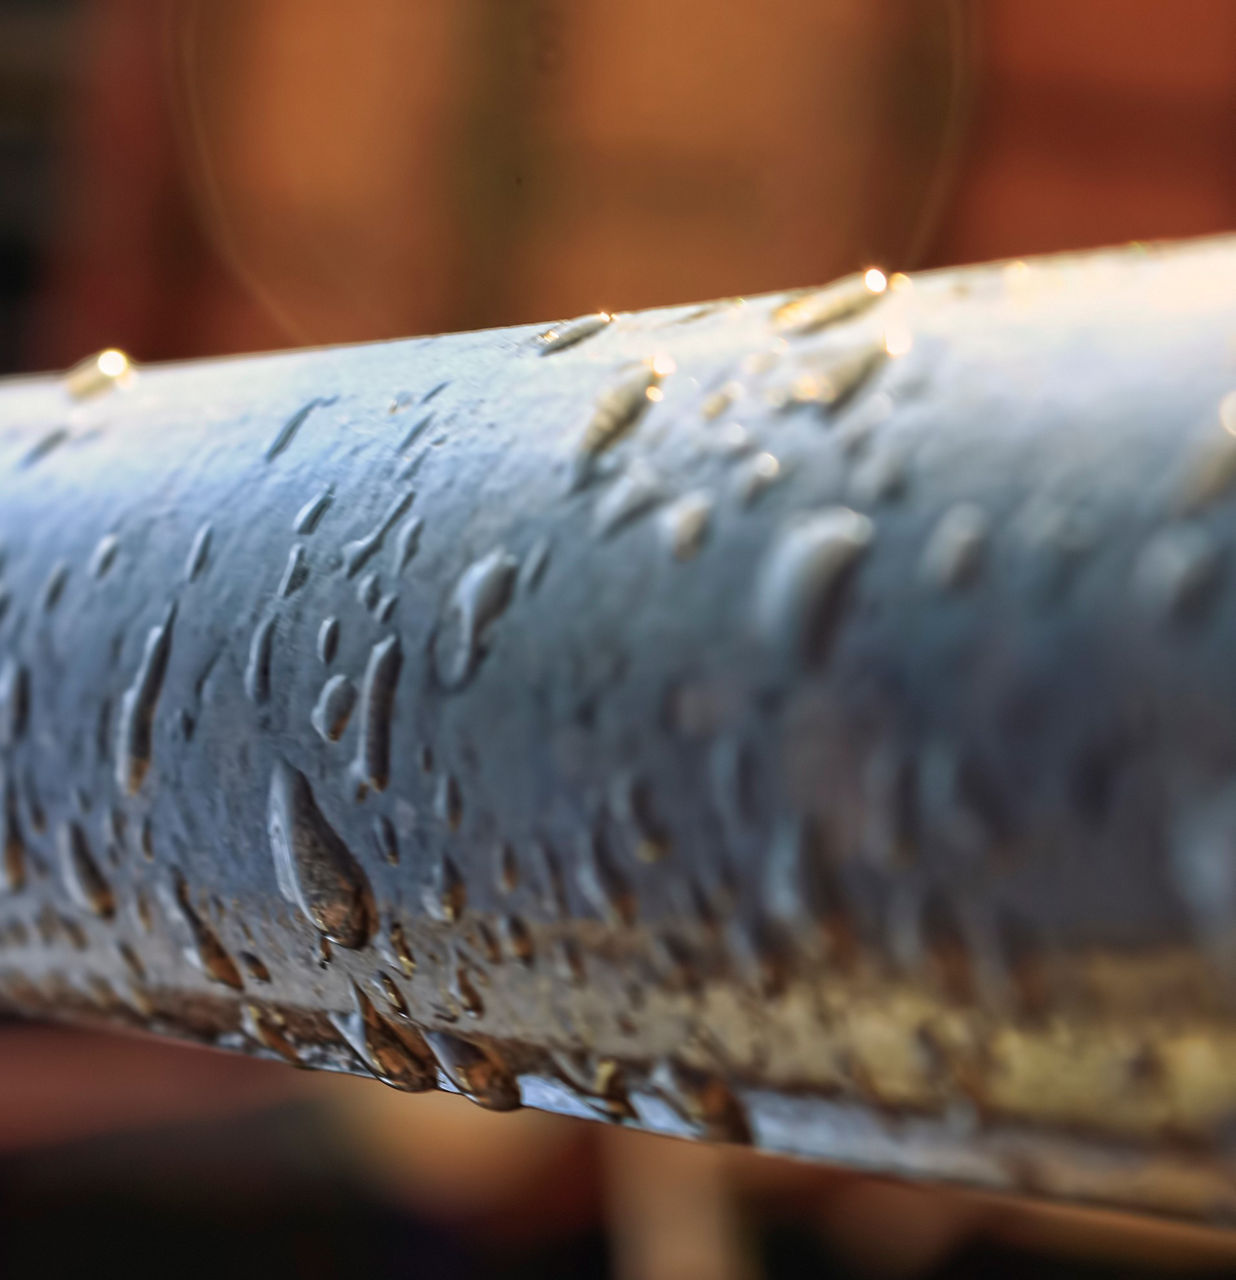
(14, 702)
(480, 597)
(207, 953)
(295, 572)
(315, 869)
(287, 432)
(310, 515)
(357, 554)
(257, 672)
(133, 748)
(373, 752)
(83, 879)
(199, 553)
(13, 853)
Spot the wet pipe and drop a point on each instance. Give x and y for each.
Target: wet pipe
(806, 720)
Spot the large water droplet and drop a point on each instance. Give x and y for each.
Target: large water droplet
(562, 336)
(396, 1055)
(478, 1073)
(480, 597)
(314, 867)
(703, 1100)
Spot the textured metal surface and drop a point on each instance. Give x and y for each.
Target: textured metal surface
(808, 720)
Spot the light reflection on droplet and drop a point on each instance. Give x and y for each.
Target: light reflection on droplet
(875, 280)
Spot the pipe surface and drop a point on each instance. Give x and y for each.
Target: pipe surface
(807, 721)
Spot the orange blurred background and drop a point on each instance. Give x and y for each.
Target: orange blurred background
(195, 177)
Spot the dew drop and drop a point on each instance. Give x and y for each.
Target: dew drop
(755, 476)
(310, 515)
(533, 568)
(53, 588)
(479, 1074)
(1177, 571)
(261, 1027)
(446, 897)
(402, 952)
(448, 802)
(685, 524)
(703, 1100)
(13, 853)
(357, 554)
(562, 336)
(199, 553)
(816, 310)
(103, 556)
(603, 886)
(803, 582)
(372, 764)
(506, 870)
(954, 553)
(328, 640)
(407, 542)
(287, 432)
(385, 840)
(315, 869)
(396, 1055)
(137, 708)
(295, 572)
(391, 994)
(617, 412)
(479, 599)
(368, 591)
(207, 952)
(333, 709)
(255, 967)
(517, 939)
(14, 702)
(257, 670)
(636, 491)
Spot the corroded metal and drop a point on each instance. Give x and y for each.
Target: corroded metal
(807, 721)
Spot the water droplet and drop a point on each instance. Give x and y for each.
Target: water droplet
(391, 994)
(478, 1073)
(262, 1027)
(287, 432)
(480, 597)
(314, 868)
(517, 939)
(402, 952)
(506, 868)
(358, 553)
(464, 992)
(384, 610)
(13, 852)
(396, 1055)
(599, 1081)
(1177, 572)
(534, 566)
(446, 897)
(617, 412)
(82, 877)
(103, 556)
(954, 553)
(562, 336)
(799, 880)
(310, 515)
(755, 476)
(199, 553)
(14, 702)
(816, 310)
(603, 886)
(255, 967)
(636, 491)
(448, 802)
(804, 579)
(328, 640)
(407, 542)
(685, 524)
(207, 952)
(631, 802)
(368, 591)
(720, 401)
(385, 841)
(372, 764)
(53, 588)
(703, 1100)
(832, 378)
(137, 708)
(48, 443)
(295, 572)
(415, 432)
(257, 670)
(881, 476)
(333, 709)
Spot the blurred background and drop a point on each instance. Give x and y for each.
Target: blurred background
(187, 178)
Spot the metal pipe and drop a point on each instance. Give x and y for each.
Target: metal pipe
(803, 720)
